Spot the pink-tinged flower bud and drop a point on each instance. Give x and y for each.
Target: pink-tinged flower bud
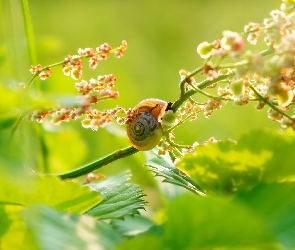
(93, 62)
(232, 41)
(35, 69)
(205, 50)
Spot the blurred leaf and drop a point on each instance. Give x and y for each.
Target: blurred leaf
(3, 53)
(163, 166)
(278, 167)
(132, 226)
(209, 223)
(66, 196)
(7, 119)
(11, 155)
(55, 230)
(143, 242)
(227, 167)
(61, 146)
(120, 198)
(12, 227)
(10, 98)
(276, 203)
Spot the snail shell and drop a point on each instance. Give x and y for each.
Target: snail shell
(145, 131)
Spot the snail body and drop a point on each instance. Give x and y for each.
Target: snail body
(144, 131)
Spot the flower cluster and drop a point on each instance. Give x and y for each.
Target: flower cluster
(232, 43)
(72, 64)
(92, 91)
(43, 73)
(82, 107)
(267, 78)
(103, 85)
(91, 117)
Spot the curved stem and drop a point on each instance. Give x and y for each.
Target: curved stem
(187, 79)
(209, 95)
(59, 64)
(274, 107)
(17, 123)
(183, 97)
(99, 163)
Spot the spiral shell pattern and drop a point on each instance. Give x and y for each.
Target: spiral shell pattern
(144, 132)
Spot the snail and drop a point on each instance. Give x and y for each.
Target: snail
(144, 131)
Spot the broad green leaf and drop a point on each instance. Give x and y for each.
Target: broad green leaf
(120, 198)
(280, 147)
(132, 225)
(54, 230)
(209, 223)
(276, 204)
(163, 166)
(66, 196)
(228, 167)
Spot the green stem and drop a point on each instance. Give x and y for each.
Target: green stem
(274, 107)
(208, 95)
(59, 64)
(29, 32)
(29, 84)
(17, 123)
(177, 125)
(187, 79)
(33, 60)
(245, 62)
(183, 97)
(99, 163)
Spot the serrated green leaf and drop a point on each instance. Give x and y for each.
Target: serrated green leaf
(132, 225)
(66, 196)
(55, 230)
(210, 223)
(228, 167)
(163, 166)
(120, 198)
(276, 203)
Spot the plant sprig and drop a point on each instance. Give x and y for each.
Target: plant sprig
(265, 77)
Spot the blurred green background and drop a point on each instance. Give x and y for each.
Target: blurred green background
(162, 38)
